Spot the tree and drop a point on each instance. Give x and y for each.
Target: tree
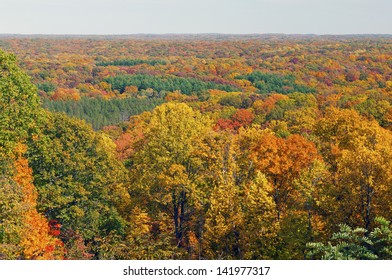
(167, 166)
(224, 223)
(222, 231)
(282, 161)
(356, 244)
(79, 179)
(381, 237)
(241, 216)
(259, 215)
(360, 157)
(19, 105)
(11, 210)
(24, 233)
(35, 238)
(351, 244)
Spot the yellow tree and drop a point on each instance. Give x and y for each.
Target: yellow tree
(224, 222)
(167, 168)
(223, 227)
(259, 216)
(367, 172)
(241, 217)
(359, 153)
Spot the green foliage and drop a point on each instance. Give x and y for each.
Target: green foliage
(347, 244)
(381, 237)
(78, 178)
(99, 112)
(356, 244)
(231, 100)
(375, 108)
(267, 82)
(236, 100)
(19, 104)
(11, 209)
(47, 87)
(297, 101)
(23, 231)
(292, 237)
(187, 86)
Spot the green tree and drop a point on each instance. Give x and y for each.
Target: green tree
(348, 244)
(79, 180)
(19, 105)
(356, 244)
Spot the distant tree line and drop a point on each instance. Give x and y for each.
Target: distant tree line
(131, 62)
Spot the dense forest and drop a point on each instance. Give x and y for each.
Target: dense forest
(196, 147)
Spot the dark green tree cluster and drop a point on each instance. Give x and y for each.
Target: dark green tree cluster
(100, 112)
(47, 87)
(356, 244)
(267, 82)
(77, 176)
(188, 86)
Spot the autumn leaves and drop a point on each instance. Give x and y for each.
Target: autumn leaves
(208, 175)
(222, 195)
(252, 194)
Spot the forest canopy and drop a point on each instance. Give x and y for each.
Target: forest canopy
(196, 148)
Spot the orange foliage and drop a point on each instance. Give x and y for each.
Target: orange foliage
(283, 158)
(66, 94)
(37, 241)
(265, 107)
(176, 96)
(125, 144)
(282, 161)
(241, 118)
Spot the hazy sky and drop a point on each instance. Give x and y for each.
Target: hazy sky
(195, 16)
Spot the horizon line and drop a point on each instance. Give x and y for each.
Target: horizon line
(194, 34)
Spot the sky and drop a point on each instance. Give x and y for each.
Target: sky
(195, 16)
